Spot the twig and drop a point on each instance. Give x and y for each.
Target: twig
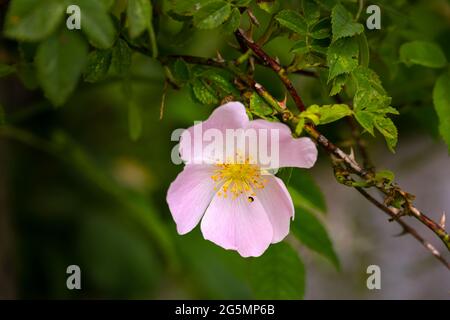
(266, 36)
(291, 119)
(405, 226)
(329, 146)
(437, 228)
(356, 135)
(273, 64)
(197, 60)
(430, 223)
(247, 80)
(306, 73)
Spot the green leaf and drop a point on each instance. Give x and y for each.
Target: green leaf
(386, 110)
(212, 15)
(365, 119)
(185, 35)
(59, 62)
(370, 100)
(292, 20)
(134, 120)
(342, 57)
(310, 231)
(98, 64)
(309, 60)
(27, 74)
(330, 113)
(300, 47)
(388, 130)
(370, 94)
(311, 11)
(385, 176)
(181, 70)
(6, 70)
(321, 30)
(319, 49)
(33, 20)
(178, 17)
(307, 193)
(371, 105)
(441, 100)
(269, 6)
(338, 84)
(96, 23)
(233, 22)
(285, 174)
(187, 7)
(203, 93)
(327, 4)
(364, 54)
(300, 126)
(139, 15)
(242, 3)
(258, 106)
(367, 79)
(278, 274)
(342, 23)
(423, 53)
(121, 58)
(219, 84)
(320, 34)
(223, 277)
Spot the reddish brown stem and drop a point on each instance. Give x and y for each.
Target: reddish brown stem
(268, 61)
(405, 226)
(324, 142)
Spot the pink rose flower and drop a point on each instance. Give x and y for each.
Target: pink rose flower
(241, 204)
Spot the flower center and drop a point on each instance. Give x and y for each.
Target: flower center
(238, 179)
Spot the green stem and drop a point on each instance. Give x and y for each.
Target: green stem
(153, 42)
(170, 78)
(289, 118)
(360, 9)
(244, 57)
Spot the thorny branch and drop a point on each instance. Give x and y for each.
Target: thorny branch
(273, 64)
(289, 118)
(405, 226)
(408, 209)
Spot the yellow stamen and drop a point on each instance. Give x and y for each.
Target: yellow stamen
(241, 178)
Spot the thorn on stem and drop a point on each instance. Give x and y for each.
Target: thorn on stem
(402, 233)
(252, 17)
(442, 221)
(283, 102)
(398, 214)
(219, 57)
(352, 154)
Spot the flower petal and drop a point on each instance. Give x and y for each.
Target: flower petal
(228, 116)
(189, 195)
(237, 224)
(277, 203)
(300, 152)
